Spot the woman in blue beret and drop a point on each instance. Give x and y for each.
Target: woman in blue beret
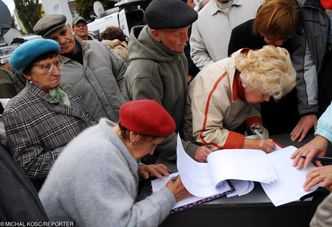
(46, 114)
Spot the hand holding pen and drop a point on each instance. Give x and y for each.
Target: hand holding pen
(260, 131)
(315, 148)
(263, 142)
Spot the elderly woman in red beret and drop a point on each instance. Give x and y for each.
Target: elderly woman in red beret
(94, 181)
(45, 115)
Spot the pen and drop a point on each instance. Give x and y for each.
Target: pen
(322, 159)
(258, 133)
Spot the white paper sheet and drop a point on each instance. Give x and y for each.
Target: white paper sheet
(159, 183)
(241, 164)
(241, 187)
(289, 186)
(195, 176)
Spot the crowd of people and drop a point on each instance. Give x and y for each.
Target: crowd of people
(96, 114)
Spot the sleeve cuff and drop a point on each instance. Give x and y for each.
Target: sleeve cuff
(234, 140)
(253, 120)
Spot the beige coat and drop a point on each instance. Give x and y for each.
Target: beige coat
(323, 215)
(217, 110)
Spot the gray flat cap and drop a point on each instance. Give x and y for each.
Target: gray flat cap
(49, 23)
(78, 19)
(169, 14)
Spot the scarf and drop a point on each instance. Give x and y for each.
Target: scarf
(59, 94)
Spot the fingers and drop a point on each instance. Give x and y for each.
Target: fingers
(295, 133)
(201, 154)
(309, 151)
(158, 171)
(144, 174)
(267, 145)
(304, 133)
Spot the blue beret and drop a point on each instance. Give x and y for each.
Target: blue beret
(26, 53)
(162, 14)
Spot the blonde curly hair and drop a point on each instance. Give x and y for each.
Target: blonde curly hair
(268, 70)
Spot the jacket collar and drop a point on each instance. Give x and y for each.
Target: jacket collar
(213, 8)
(107, 127)
(40, 93)
(75, 108)
(238, 90)
(143, 46)
(234, 76)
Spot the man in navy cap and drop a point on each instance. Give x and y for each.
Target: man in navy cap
(90, 67)
(158, 68)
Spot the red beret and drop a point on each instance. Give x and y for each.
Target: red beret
(146, 117)
(327, 4)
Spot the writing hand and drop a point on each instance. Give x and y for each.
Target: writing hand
(316, 147)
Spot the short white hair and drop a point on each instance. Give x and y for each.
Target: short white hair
(268, 70)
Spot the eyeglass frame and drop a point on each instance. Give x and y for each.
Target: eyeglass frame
(48, 68)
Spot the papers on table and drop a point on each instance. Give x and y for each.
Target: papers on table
(280, 180)
(185, 203)
(289, 186)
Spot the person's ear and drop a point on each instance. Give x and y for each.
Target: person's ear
(27, 76)
(155, 34)
(134, 137)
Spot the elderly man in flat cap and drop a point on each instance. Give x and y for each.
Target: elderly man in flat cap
(158, 68)
(90, 67)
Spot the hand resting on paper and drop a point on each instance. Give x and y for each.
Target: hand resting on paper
(177, 188)
(157, 170)
(319, 175)
(316, 147)
(266, 145)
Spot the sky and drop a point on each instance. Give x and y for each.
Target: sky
(10, 4)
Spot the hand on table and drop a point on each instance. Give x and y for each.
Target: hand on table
(303, 126)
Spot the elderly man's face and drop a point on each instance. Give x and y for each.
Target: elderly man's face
(175, 39)
(81, 30)
(65, 38)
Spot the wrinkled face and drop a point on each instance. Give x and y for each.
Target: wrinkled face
(254, 96)
(175, 39)
(147, 146)
(273, 42)
(81, 30)
(45, 73)
(65, 38)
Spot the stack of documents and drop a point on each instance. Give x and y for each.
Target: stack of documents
(238, 168)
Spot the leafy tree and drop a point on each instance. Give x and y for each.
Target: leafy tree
(29, 12)
(85, 7)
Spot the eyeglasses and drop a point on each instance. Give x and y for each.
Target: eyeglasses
(48, 68)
